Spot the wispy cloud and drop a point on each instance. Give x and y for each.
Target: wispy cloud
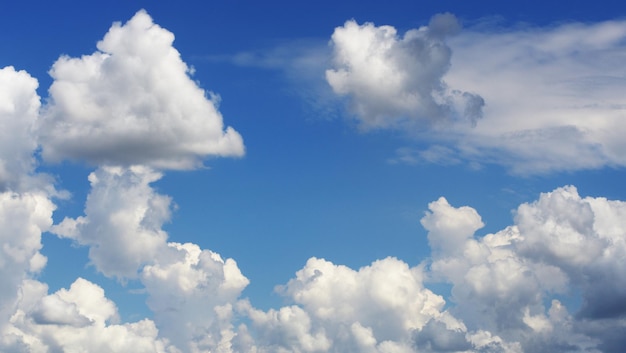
(552, 95)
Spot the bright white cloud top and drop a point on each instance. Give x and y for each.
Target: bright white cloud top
(132, 110)
(397, 82)
(133, 102)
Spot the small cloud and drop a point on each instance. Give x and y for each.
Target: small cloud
(436, 154)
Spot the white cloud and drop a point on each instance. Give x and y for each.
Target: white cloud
(191, 292)
(79, 319)
(552, 96)
(561, 243)
(381, 308)
(23, 218)
(19, 109)
(122, 222)
(133, 102)
(585, 238)
(396, 82)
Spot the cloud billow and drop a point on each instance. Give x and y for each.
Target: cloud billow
(132, 102)
(397, 82)
(560, 244)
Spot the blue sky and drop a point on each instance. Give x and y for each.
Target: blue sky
(284, 177)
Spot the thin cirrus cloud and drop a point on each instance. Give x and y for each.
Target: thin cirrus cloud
(559, 244)
(133, 102)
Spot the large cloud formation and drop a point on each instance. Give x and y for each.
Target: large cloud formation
(128, 108)
(133, 102)
(548, 98)
(561, 243)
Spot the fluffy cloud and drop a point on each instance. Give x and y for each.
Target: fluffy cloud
(396, 82)
(23, 218)
(558, 244)
(191, 292)
(130, 107)
(133, 102)
(80, 319)
(585, 238)
(381, 308)
(122, 222)
(19, 109)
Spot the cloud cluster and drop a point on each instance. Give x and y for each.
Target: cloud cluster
(505, 288)
(559, 244)
(381, 308)
(190, 290)
(397, 82)
(78, 319)
(132, 109)
(133, 102)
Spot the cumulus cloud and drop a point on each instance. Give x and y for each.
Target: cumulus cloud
(133, 102)
(190, 290)
(585, 238)
(122, 222)
(396, 82)
(380, 308)
(19, 110)
(560, 243)
(23, 218)
(78, 319)
(131, 108)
